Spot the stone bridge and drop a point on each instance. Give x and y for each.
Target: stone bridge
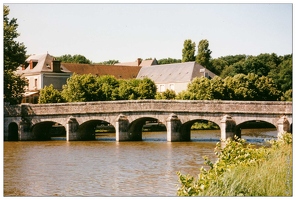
(34, 121)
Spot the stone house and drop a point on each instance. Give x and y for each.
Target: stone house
(42, 70)
(174, 76)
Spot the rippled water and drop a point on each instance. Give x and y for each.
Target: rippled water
(104, 167)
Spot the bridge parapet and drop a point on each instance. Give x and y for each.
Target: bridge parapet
(223, 107)
(12, 110)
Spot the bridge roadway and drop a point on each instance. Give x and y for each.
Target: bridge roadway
(78, 120)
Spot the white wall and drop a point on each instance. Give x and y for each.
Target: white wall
(177, 87)
(34, 82)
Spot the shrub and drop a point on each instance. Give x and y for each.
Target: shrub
(244, 170)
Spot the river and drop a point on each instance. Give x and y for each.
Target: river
(104, 167)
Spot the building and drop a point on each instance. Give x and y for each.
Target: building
(118, 71)
(43, 70)
(40, 71)
(139, 62)
(174, 76)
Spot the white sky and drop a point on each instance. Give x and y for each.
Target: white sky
(126, 32)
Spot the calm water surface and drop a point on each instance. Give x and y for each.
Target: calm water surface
(105, 167)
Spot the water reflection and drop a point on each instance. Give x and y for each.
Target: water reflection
(105, 167)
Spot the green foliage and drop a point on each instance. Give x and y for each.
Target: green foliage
(147, 89)
(88, 87)
(282, 75)
(67, 58)
(14, 54)
(167, 94)
(256, 66)
(231, 59)
(278, 68)
(244, 170)
(204, 54)
(183, 95)
(218, 88)
(50, 95)
(200, 89)
(205, 126)
(218, 65)
(108, 88)
(108, 62)
(287, 96)
(228, 71)
(13, 87)
(168, 61)
(128, 89)
(188, 51)
(81, 88)
(249, 87)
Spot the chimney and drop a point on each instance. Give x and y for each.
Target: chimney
(31, 64)
(56, 66)
(139, 61)
(23, 67)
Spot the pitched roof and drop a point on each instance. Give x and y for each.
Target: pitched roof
(121, 72)
(43, 64)
(139, 63)
(174, 73)
(148, 62)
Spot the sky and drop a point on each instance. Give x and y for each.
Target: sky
(127, 31)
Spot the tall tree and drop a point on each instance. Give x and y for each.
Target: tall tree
(188, 51)
(14, 56)
(203, 54)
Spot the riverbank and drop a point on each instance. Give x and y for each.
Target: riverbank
(243, 170)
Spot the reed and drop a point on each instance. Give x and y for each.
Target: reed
(243, 171)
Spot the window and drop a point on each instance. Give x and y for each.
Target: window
(161, 88)
(172, 86)
(35, 84)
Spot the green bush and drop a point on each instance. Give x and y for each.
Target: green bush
(244, 170)
(50, 95)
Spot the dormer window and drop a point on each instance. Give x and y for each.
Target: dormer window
(33, 63)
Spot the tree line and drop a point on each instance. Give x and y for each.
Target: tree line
(88, 87)
(278, 68)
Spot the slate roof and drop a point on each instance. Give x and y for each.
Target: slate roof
(174, 73)
(118, 71)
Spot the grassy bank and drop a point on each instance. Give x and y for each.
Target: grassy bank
(243, 170)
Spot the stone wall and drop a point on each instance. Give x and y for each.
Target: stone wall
(221, 107)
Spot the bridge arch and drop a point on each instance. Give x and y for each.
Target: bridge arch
(46, 129)
(13, 131)
(136, 127)
(87, 130)
(185, 128)
(253, 124)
